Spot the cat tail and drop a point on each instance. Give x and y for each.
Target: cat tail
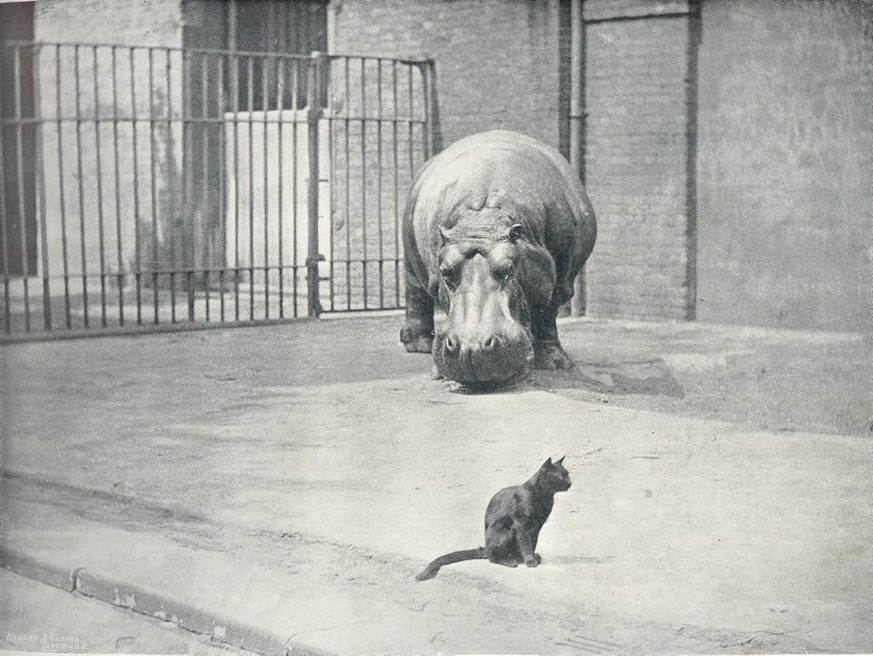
(455, 557)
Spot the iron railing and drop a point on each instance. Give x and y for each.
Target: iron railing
(150, 186)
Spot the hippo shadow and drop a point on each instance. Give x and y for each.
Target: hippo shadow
(648, 377)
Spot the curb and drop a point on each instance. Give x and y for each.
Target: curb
(31, 568)
(151, 604)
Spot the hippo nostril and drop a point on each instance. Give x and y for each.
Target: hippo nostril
(490, 343)
(452, 344)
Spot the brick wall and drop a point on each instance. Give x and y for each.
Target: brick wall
(497, 60)
(635, 166)
(786, 163)
(152, 23)
(498, 66)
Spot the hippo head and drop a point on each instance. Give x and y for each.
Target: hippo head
(486, 338)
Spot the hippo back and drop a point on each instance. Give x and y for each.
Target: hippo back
(526, 177)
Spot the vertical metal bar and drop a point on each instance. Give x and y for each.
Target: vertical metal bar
(40, 185)
(426, 94)
(19, 152)
(395, 124)
(81, 189)
(100, 225)
(7, 310)
(364, 175)
(314, 115)
(204, 163)
(577, 126)
(222, 159)
(691, 103)
(251, 109)
(348, 181)
(379, 184)
(410, 119)
(136, 216)
(235, 92)
(177, 230)
(175, 242)
(280, 101)
(173, 238)
(61, 197)
(265, 101)
(331, 139)
(120, 260)
(434, 132)
(295, 196)
(410, 122)
(153, 174)
(189, 222)
(170, 247)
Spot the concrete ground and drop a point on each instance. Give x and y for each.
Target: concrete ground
(277, 488)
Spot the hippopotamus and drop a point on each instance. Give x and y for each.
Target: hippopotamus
(496, 228)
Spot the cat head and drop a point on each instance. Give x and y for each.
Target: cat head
(554, 476)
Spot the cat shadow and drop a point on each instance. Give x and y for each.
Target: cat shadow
(576, 560)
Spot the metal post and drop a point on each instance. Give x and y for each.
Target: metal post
(364, 177)
(693, 48)
(313, 116)
(4, 236)
(280, 99)
(119, 276)
(19, 161)
(82, 241)
(37, 63)
(427, 88)
(395, 102)
(100, 221)
(577, 126)
(137, 222)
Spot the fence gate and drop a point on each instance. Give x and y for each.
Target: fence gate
(147, 188)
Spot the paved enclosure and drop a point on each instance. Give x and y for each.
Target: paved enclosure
(279, 487)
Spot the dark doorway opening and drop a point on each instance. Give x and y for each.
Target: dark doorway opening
(18, 237)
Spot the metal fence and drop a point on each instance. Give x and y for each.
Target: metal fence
(146, 186)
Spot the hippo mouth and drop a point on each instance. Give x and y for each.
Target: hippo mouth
(496, 360)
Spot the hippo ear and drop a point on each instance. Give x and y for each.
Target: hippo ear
(516, 231)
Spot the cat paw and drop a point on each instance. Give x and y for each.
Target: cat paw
(533, 561)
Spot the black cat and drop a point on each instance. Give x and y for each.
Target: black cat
(513, 521)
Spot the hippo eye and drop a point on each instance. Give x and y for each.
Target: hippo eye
(502, 269)
(451, 276)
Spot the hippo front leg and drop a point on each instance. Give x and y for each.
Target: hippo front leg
(417, 333)
(548, 352)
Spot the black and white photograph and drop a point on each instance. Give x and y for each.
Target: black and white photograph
(425, 327)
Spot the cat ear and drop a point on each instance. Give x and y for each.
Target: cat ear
(548, 463)
(561, 460)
